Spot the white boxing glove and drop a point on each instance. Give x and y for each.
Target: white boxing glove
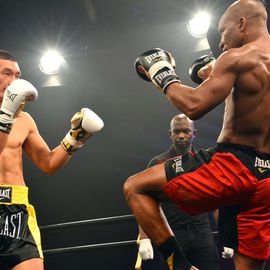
(227, 253)
(83, 125)
(16, 95)
(146, 250)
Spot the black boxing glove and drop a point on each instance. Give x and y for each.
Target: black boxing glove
(157, 65)
(197, 65)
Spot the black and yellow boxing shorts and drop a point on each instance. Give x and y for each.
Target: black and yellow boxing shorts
(19, 232)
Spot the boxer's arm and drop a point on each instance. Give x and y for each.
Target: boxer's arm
(49, 161)
(196, 102)
(83, 125)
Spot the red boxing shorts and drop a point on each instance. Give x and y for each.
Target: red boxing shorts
(234, 179)
(19, 233)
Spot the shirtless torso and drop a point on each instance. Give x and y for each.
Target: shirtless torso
(247, 110)
(11, 158)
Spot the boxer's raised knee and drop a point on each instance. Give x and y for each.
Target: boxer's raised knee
(129, 187)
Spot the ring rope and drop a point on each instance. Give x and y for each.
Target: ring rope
(86, 247)
(86, 222)
(102, 245)
(92, 246)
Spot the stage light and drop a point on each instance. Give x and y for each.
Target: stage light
(51, 62)
(198, 26)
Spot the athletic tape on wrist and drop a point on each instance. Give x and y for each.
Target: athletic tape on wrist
(70, 144)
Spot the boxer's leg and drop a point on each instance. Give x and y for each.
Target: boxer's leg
(144, 205)
(143, 191)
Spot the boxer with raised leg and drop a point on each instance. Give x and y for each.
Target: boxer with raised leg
(236, 172)
(20, 244)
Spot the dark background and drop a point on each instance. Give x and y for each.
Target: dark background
(100, 39)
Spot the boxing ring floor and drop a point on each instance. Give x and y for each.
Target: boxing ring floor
(98, 244)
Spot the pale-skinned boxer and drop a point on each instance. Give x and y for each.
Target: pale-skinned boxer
(236, 172)
(20, 244)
